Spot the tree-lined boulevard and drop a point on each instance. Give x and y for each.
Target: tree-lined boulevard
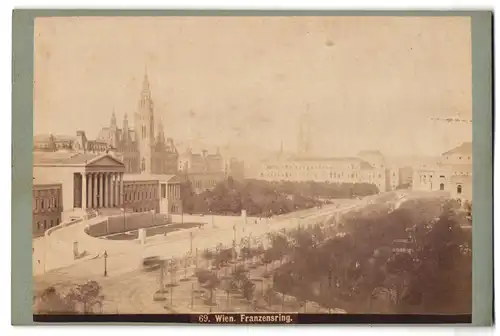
(367, 260)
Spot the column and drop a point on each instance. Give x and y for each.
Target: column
(101, 189)
(94, 191)
(121, 189)
(105, 189)
(117, 191)
(90, 194)
(112, 189)
(84, 191)
(108, 190)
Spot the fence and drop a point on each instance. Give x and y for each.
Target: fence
(126, 222)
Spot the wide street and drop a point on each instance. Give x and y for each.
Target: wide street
(127, 288)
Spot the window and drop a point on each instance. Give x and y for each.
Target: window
(459, 189)
(41, 204)
(51, 223)
(57, 221)
(38, 225)
(441, 186)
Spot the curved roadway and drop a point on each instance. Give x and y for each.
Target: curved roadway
(130, 289)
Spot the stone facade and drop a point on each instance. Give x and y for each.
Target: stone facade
(328, 170)
(452, 172)
(141, 196)
(47, 207)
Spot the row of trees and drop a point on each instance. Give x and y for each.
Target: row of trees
(263, 198)
(83, 298)
(415, 259)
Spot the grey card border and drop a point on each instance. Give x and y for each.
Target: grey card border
(22, 141)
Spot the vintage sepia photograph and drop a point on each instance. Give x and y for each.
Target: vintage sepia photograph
(266, 167)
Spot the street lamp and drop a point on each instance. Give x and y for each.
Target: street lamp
(105, 263)
(191, 242)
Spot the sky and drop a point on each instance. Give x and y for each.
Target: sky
(245, 82)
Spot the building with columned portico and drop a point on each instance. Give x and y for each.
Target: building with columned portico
(89, 181)
(92, 182)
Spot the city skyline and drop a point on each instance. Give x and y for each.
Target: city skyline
(384, 78)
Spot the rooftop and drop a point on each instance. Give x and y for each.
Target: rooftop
(66, 158)
(370, 152)
(465, 148)
(151, 177)
(46, 137)
(44, 186)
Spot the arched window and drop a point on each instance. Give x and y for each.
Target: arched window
(441, 186)
(459, 189)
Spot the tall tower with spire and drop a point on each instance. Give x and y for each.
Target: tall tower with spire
(303, 140)
(145, 127)
(113, 131)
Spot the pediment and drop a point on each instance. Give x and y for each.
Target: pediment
(175, 179)
(105, 161)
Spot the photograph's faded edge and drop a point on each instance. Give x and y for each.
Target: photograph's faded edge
(22, 124)
(482, 177)
(22, 162)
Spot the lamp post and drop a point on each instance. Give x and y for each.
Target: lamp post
(191, 242)
(105, 263)
(45, 237)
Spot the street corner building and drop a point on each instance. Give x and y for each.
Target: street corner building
(451, 173)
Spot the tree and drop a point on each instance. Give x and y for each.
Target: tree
(248, 289)
(51, 302)
(85, 298)
(208, 280)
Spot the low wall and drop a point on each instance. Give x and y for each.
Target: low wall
(129, 222)
(60, 226)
